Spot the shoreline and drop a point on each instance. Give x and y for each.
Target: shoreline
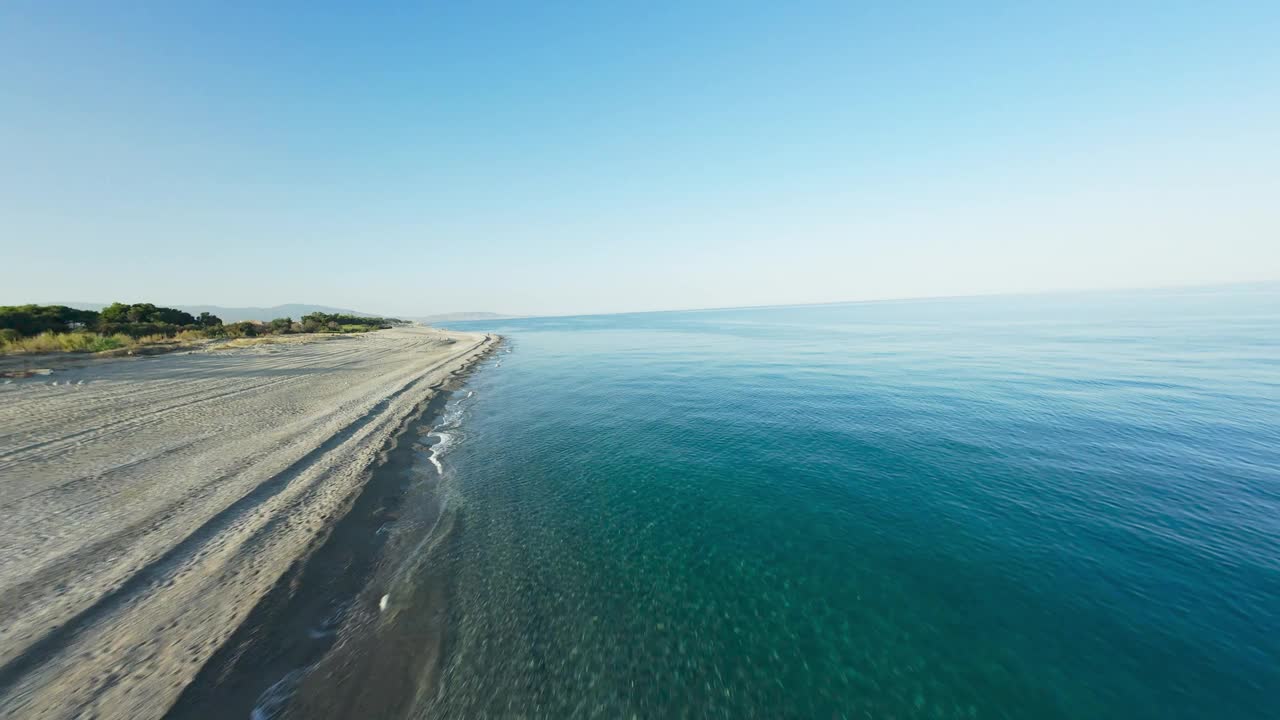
(149, 510)
(288, 658)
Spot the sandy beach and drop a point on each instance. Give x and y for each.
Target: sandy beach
(148, 504)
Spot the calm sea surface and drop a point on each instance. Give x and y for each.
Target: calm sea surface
(1061, 506)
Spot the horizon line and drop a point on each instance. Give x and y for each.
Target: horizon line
(907, 298)
(715, 308)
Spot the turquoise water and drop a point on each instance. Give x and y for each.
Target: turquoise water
(1061, 506)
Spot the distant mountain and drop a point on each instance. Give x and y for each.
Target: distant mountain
(292, 310)
(236, 314)
(459, 317)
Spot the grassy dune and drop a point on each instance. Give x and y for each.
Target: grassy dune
(86, 342)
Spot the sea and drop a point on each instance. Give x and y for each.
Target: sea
(1045, 506)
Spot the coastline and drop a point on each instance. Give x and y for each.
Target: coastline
(151, 505)
(330, 639)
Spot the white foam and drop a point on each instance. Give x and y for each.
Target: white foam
(274, 699)
(443, 441)
(449, 419)
(452, 416)
(382, 604)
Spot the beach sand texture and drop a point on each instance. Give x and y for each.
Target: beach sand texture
(147, 504)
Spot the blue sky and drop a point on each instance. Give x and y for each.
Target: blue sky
(596, 157)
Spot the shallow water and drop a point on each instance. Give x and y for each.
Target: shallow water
(1061, 506)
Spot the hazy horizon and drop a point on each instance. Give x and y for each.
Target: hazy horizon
(560, 161)
(1245, 285)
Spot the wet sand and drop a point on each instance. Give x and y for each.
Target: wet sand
(358, 629)
(149, 505)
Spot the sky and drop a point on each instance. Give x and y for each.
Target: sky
(568, 157)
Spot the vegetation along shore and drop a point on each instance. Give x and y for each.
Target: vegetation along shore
(59, 328)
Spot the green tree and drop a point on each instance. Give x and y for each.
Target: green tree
(171, 316)
(141, 313)
(115, 313)
(208, 320)
(30, 320)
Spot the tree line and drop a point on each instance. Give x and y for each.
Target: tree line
(316, 322)
(145, 319)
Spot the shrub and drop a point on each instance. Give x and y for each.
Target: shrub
(44, 342)
(50, 342)
(109, 342)
(138, 330)
(241, 329)
(75, 342)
